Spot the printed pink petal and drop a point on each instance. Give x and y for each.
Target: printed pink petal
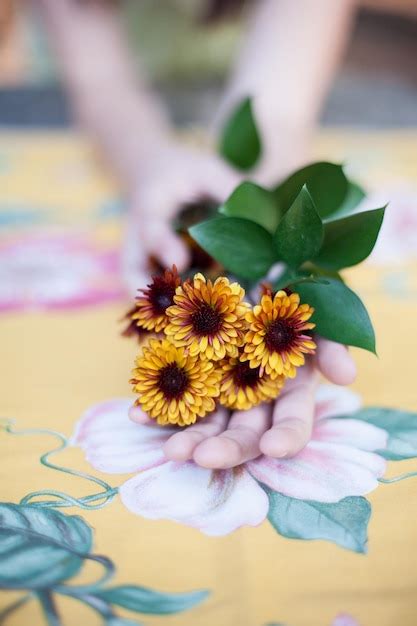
(55, 270)
(325, 472)
(344, 620)
(215, 502)
(332, 401)
(114, 444)
(351, 432)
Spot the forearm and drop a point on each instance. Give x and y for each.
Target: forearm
(110, 100)
(287, 63)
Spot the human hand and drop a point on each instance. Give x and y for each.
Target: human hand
(172, 176)
(280, 430)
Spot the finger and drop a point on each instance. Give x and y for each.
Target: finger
(133, 259)
(237, 444)
(292, 417)
(181, 446)
(335, 362)
(159, 239)
(137, 415)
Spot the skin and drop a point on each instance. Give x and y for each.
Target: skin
(278, 430)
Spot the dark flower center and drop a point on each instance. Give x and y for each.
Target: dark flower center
(161, 297)
(280, 335)
(245, 376)
(173, 381)
(206, 321)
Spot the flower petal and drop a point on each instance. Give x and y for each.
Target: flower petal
(215, 502)
(322, 471)
(114, 444)
(332, 400)
(351, 432)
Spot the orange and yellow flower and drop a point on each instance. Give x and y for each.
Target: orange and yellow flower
(174, 387)
(208, 318)
(243, 387)
(277, 338)
(150, 308)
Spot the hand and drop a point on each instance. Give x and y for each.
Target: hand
(279, 430)
(172, 176)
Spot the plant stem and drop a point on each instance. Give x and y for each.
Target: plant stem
(48, 605)
(13, 607)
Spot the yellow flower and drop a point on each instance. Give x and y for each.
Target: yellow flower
(150, 308)
(208, 318)
(276, 340)
(173, 386)
(243, 387)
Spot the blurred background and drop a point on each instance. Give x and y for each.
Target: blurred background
(375, 86)
(62, 213)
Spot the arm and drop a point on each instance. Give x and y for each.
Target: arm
(288, 60)
(110, 100)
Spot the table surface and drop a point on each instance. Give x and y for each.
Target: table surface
(57, 363)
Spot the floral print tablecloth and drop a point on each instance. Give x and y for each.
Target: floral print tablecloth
(61, 297)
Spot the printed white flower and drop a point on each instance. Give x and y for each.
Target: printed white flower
(339, 461)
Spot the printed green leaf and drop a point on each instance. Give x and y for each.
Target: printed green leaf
(354, 196)
(241, 246)
(240, 142)
(401, 427)
(326, 183)
(40, 547)
(339, 313)
(344, 523)
(148, 601)
(350, 240)
(300, 232)
(253, 203)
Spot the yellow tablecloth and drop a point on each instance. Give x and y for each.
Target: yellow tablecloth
(55, 365)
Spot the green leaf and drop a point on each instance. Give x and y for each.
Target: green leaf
(344, 523)
(350, 240)
(241, 246)
(401, 427)
(354, 196)
(300, 232)
(240, 142)
(339, 313)
(326, 183)
(40, 547)
(143, 600)
(253, 203)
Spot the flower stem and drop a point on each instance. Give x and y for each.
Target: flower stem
(8, 610)
(49, 609)
(397, 479)
(61, 499)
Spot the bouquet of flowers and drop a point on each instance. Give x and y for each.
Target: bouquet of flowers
(273, 259)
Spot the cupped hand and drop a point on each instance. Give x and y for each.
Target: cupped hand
(173, 175)
(278, 430)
